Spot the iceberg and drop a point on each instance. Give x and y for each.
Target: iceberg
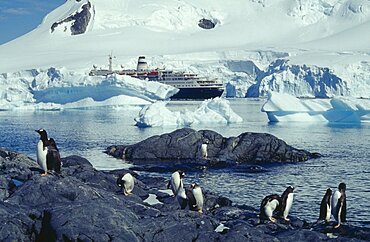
(282, 107)
(55, 89)
(210, 111)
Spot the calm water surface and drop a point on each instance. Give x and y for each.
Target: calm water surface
(345, 148)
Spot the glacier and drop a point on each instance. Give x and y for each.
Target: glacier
(210, 111)
(54, 89)
(282, 107)
(313, 48)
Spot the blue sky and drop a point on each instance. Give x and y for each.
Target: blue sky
(18, 17)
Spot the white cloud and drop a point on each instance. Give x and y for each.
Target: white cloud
(16, 11)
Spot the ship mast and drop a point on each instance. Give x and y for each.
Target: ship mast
(111, 62)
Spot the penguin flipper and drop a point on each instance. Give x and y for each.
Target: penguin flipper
(342, 204)
(322, 215)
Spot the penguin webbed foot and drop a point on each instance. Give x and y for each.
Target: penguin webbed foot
(272, 219)
(336, 226)
(44, 174)
(126, 193)
(287, 219)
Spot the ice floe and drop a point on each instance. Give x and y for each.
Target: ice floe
(216, 111)
(282, 107)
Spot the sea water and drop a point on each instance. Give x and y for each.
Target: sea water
(345, 150)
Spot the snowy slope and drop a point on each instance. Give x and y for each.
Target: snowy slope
(306, 48)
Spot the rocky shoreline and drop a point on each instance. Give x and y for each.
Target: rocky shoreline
(82, 204)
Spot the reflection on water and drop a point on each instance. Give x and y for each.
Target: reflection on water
(344, 146)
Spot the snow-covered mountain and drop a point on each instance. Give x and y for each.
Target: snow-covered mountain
(314, 48)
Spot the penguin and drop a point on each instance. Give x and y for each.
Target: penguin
(269, 205)
(286, 202)
(195, 198)
(325, 210)
(204, 148)
(174, 183)
(181, 197)
(126, 182)
(47, 153)
(339, 205)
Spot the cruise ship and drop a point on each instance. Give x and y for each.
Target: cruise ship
(191, 85)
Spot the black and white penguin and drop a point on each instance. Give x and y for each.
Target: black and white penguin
(174, 182)
(126, 182)
(269, 205)
(286, 202)
(195, 198)
(47, 153)
(325, 210)
(181, 196)
(339, 205)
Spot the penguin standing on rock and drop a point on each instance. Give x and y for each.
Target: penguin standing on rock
(47, 153)
(195, 198)
(339, 204)
(174, 183)
(204, 149)
(181, 197)
(286, 202)
(269, 205)
(126, 182)
(325, 210)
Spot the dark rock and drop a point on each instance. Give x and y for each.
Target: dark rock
(301, 235)
(80, 20)
(206, 24)
(15, 169)
(182, 148)
(15, 224)
(75, 160)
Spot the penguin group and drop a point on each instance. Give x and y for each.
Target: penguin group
(334, 204)
(47, 154)
(191, 196)
(275, 204)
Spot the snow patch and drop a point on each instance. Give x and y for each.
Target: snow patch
(152, 200)
(167, 191)
(220, 228)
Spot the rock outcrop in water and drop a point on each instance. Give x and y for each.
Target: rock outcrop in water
(183, 147)
(82, 205)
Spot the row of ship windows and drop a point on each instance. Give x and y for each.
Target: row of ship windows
(188, 85)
